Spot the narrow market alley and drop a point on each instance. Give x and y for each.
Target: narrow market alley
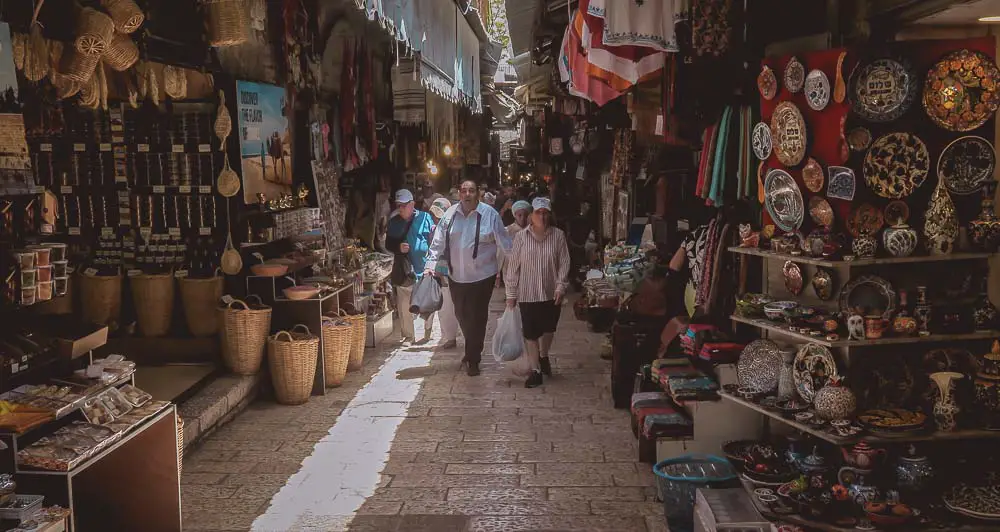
(411, 443)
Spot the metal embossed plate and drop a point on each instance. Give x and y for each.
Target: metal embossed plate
(761, 141)
(966, 165)
(788, 134)
(896, 165)
(817, 90)
(960, 93)
(783, 200)
(883, 90)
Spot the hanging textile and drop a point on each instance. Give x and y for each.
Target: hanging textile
(409, 98)
(438, 27)
(347, 107)
(573, 70)
(720, 168)
(467, 68)
(619, 66)
(648, 24)
(710, 26)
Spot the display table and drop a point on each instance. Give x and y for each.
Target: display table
(133, 484)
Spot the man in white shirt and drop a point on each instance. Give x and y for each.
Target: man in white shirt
(467, 239)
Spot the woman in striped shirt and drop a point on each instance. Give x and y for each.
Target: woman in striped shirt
(535, 276)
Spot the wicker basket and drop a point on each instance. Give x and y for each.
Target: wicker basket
(292, 357)
(76, 66)
(226, 22)
(122, 53)
(153, 296)
(101, 298)
(337, 343)
(244, 332)
(180, 446)
(125, 14)
(358, 343)
(200, 298)
(94, 31)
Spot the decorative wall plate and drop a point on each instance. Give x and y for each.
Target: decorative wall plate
(812, 175)
(859, 139)
(820, 211)
(822, 283)
(795, 75)
(960, 93)
(758, 366)
(783, 200)
(867, 295)
(767, 83)
(883, 89)
(896, 165)
(840, 183)
(814, 368)
(865, 219)
(897, 212)
(980, 502)
(892, 419)
(817, 90)
(788, 134)
(793, 277)
(761, 141)
(967, 164)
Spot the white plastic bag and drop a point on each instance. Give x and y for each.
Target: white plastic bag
(508, 340)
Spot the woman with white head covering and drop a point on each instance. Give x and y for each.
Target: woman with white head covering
(521, 210)
(536, 275)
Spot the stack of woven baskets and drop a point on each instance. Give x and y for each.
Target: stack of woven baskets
(226, 21)
(102, 37)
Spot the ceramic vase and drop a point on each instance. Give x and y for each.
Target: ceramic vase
(900, 240)
(940, 222)
(988, 388)
(835, 401)
(984, 231)
(945, 408)
(914, 472)
(985, 314)
(786, 379)
(864, 246)
(922, 311)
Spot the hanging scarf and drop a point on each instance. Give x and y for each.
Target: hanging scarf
(706, 140)
(720, 166)
(621, 67)
(708, 264)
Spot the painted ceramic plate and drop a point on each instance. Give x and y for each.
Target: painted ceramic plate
(767, 83)
(960, 93)
(883, 90)
(897, 212)
(868, 295)
(820, 211)
(795, 75)
(822, 283)
(783, 200)
(817, 89)
(966, 165)
(788, 134)
(813, 369)
(812, 175)
(892, 419)
(865, 220)
(762, 141)
(841, 183)
(859, 139)
(758, 366)
(793, 277)
(896, 165)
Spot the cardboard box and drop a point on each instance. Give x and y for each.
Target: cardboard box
(83, 344)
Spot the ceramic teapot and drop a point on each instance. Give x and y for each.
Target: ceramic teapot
(914, 472)
(863, 456)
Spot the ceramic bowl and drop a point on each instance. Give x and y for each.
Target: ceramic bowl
(269, 270)
(300, 292)
(776, 310)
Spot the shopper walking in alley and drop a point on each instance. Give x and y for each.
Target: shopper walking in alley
(466, 240)
(449, 323)
(408, 237)
(521, 210)
(535, 275)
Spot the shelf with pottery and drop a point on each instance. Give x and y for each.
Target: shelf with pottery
(768, 325)
(964, 434)
(859, 262)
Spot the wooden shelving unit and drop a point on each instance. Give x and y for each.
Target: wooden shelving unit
(776, 327)
(857, 263)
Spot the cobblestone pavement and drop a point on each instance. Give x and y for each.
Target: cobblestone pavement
(412, 444)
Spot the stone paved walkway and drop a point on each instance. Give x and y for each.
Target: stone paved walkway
(411, 444)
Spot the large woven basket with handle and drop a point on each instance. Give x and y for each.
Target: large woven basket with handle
(244, 334)
(292, 357)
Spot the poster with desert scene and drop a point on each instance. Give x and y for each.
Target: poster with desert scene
(15, 163)
(265, 141)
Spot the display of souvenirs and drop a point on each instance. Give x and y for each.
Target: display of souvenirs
(960, 93)
(783, 200)
(788, 134)
(883, 90)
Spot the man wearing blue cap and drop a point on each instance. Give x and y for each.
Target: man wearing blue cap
(408, 237)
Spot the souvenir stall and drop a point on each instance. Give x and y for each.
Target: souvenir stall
(875, 375)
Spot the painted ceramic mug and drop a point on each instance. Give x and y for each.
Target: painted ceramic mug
(874, 327)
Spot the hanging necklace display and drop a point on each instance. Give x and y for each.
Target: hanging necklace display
(187, 212)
